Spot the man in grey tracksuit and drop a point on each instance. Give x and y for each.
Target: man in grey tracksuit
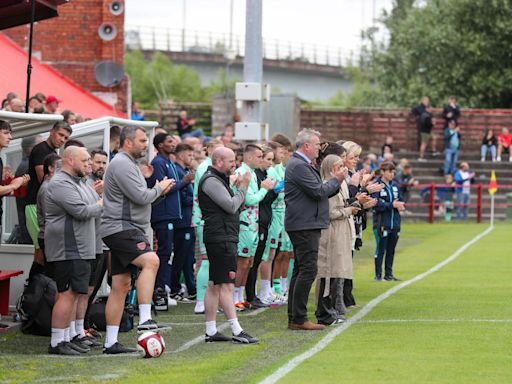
(126, 215)
(69, 243)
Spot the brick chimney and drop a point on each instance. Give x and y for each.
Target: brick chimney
(72, 44)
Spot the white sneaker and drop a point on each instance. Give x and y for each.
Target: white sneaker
(498, 158)
(171, 302)
(199, 308)
(482, 159)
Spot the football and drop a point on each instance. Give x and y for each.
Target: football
(150, 344)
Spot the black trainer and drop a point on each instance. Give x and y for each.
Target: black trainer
(79, 346)
(89, 341)
(257, 303)
(218, 337)
(391, 278)
(118, 348)
(245, 338)
(64, 349)
(152, 325)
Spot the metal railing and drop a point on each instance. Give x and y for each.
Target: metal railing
(178, 40)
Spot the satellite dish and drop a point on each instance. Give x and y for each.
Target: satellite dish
(108, 73)
(107, 31)
(116, 8)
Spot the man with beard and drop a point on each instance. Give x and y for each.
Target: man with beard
(220, 207)
(127, 208)
(69, 243)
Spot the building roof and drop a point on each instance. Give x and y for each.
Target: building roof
(13, 70)
(18, 12)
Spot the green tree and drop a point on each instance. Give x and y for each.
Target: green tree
(160, 79)
(444, 47)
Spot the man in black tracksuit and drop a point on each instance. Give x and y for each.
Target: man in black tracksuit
(264, 219)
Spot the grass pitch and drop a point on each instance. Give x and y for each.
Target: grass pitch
(453, 326)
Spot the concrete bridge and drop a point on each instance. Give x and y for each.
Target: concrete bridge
(312, 72)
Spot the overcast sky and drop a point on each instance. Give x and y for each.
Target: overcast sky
(336, 23)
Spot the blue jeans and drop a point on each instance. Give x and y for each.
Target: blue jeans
(195, 133)
(462, 205)
(483, 151)
(450, 160)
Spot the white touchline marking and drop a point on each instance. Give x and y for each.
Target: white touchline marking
(327, 339)
(387, 321)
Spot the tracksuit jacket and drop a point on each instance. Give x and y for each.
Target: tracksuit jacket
(384, 215)
(70, 213)
(126, 197)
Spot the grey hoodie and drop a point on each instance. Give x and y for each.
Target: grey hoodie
(69, 231)
(126, 197)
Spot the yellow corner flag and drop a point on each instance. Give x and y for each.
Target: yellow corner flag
(493, 184)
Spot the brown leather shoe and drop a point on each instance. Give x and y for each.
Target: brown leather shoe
(307, 326)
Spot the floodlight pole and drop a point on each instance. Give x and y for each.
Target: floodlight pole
(253, 58)
(29, 66)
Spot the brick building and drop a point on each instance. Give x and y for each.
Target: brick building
(86, 33)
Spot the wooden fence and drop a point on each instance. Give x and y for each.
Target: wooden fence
(370, 127)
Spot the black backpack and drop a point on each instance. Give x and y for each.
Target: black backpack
(35, 305)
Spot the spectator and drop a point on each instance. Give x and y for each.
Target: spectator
(41, 97)
(335, 251)
(220, 209)
(489, 143)
(69, 117)
(401, 164)
(387, 147)
(386, 221)
(17, 182)
(504, 142)
(228, 134)
(115, 137)
(451, 146)
(417, 111)
(426, 124)
(451, 111)
(405, 181)
(137, 114)
(35, 106)
(445, 195)
(185, 127)
(52, 105)
(463, 179)
(69, 220)
(127, 206)
(307, 213)
(27, 143)
(58, 136)
(16, 105)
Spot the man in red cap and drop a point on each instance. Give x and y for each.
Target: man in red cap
(52, 105)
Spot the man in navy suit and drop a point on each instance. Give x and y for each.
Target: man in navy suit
(307, 213)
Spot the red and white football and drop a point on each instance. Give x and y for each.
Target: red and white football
(150, 344)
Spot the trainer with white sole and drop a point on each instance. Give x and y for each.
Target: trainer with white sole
(220, 207)
(126, 215)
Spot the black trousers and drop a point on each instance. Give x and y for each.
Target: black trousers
(252, 278)
(329, 308)
(305, 247)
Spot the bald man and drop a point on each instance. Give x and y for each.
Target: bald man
(220, 207)
(69, 244)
